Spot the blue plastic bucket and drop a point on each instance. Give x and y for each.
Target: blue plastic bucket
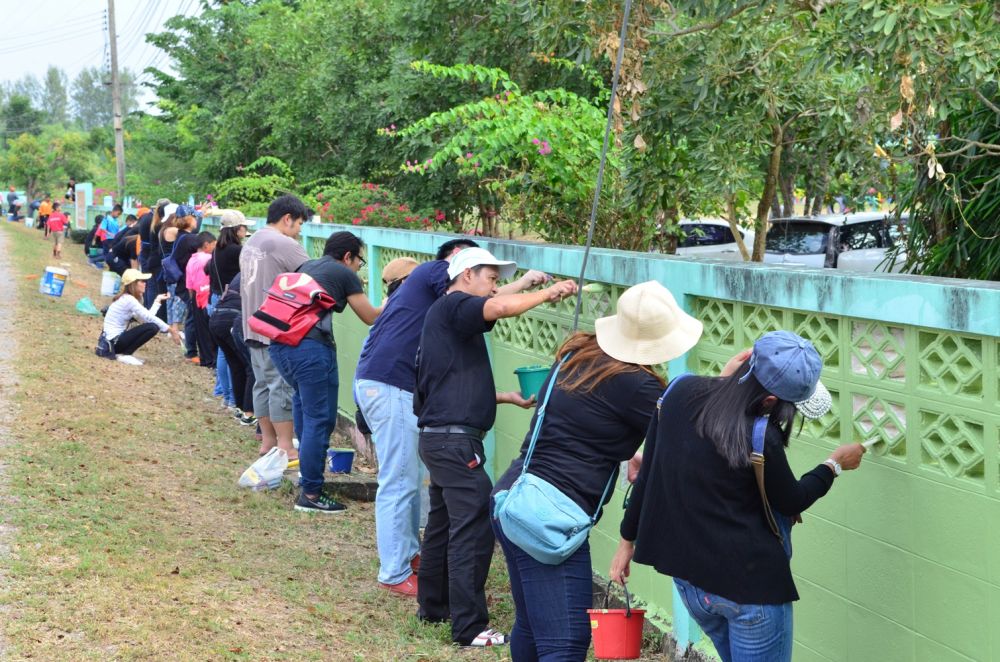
(340, 460)
(53, 281)
(531, 379)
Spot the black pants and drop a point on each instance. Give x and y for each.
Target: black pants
(206, 344)
(220, 324)
(457, 548)
(132, 339)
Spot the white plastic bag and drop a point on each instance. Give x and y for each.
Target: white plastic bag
(266, 472)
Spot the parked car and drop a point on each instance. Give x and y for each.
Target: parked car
(855, 242)
(711, 237)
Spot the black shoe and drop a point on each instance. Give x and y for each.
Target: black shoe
(322, 503)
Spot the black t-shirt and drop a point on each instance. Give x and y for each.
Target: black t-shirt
(225, 264)
(694, 517)
(145, 225)
(231, 301)
(584, 436)
(339, 282)
(454, 376)
(124, 247)
(187, 244)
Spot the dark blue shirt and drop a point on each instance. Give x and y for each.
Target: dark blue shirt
(390, 352)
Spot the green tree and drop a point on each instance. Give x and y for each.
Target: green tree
(55, 97)
(19, 116)
(91, 97)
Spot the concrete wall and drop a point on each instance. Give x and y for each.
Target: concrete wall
(900, 561)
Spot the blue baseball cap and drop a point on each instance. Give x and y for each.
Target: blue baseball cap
(785, 364)
(184, 210)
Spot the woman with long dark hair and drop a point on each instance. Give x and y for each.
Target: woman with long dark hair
(715, 498)
(594, 419)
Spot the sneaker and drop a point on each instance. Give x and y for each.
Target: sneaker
(248, 419)
(128, 359)
(237, 413)
(406, 588)
(193, 359)
(415, 563)
(321, 504)
(488, 637)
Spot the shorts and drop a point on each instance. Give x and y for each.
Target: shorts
(176, 307)
(57, 237)
(272, 396)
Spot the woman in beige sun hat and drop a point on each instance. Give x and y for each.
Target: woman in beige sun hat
(595, 418)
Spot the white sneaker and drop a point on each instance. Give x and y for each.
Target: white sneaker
(128, 359)
(488, 637)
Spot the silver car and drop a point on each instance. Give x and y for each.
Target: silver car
(855, 242)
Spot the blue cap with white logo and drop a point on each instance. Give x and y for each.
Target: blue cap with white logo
(785, 364)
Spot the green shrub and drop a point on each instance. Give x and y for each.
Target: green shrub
(78, 236)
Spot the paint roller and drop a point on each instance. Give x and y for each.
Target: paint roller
(876, 445)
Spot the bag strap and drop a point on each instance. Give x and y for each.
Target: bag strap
(757, 461)
(540, 414)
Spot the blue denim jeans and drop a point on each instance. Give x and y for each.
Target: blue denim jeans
(550, 603)
(311, 370)
(740, 632)
(389, 412)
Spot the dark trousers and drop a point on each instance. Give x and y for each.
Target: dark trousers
(207, 349)
(132, 339)
(457, 548)
(220, 324)
(550, 604)
(241, 345)
(190, 330)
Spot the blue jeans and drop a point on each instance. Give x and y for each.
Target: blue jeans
(550, 603)
(389, 412)
(741, 632)
(311, 370)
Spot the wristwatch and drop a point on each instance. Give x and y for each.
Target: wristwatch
(833, 464)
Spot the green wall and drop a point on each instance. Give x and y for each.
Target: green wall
(901, 561)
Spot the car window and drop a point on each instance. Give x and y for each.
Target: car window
(704, 234)
(860, 235)
(798, 238)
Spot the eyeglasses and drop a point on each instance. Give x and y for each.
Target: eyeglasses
(363, 262)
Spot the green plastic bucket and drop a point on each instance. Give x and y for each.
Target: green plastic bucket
(531, 378)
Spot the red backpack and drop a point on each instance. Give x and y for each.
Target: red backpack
(292, 307)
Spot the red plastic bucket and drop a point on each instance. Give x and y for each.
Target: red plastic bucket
(617, 632)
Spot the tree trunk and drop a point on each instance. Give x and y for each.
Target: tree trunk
(788, 194)
(767, 197)
(731, 218)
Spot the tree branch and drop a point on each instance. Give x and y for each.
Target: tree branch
(709, 25)
(989, 104)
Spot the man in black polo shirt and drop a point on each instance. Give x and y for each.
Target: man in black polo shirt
(455, 403)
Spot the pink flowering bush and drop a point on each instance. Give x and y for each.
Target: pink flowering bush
(364, 203)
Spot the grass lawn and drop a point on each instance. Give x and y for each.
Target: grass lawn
(130, 538)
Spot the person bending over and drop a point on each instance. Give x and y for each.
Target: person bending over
(125, 308)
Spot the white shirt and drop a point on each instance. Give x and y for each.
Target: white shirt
(124, 310)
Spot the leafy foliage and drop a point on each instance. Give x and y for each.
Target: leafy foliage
(365, 203)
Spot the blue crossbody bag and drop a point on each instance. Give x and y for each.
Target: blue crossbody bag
(780, 525)
(535, 515)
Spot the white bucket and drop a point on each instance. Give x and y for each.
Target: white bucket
(53, 281)
(110, 284)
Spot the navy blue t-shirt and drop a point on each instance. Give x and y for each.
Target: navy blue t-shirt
(390, 352)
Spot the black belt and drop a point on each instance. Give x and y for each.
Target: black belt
(455, 429)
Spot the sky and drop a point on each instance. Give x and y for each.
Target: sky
(72, 34)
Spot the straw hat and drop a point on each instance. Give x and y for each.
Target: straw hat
(398, 268)
(649, 327)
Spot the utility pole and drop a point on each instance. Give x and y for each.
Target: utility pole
(116, 102)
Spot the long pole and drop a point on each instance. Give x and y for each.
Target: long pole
(116, 102)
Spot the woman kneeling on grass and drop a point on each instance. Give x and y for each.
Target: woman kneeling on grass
(126, 307)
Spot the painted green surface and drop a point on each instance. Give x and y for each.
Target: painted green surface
(901, 561)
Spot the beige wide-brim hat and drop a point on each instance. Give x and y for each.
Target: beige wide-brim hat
(649, 327)
(398, 268)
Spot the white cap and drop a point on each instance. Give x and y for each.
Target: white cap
(469, 258)
(170, 209)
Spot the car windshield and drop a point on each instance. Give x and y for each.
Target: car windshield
(705, 234)
(798, 238)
